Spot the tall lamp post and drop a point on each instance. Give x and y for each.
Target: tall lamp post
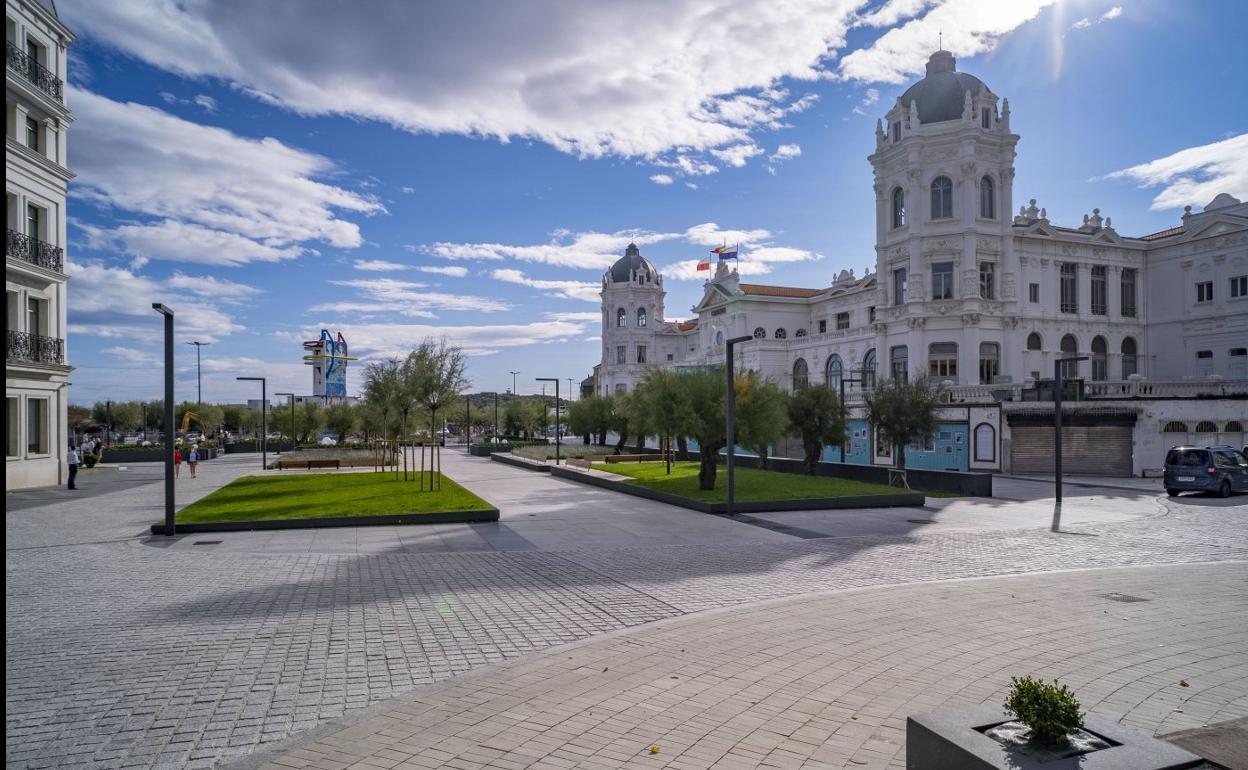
(199, 381)
(731, 434)
(264, 418)
(292, 417)
(170, 526)
(556, 381)
(1058, 372)
(514, 393)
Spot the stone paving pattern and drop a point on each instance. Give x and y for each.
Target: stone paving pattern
(123, 653)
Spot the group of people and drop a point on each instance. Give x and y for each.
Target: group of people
(73, 458)
(191, 456)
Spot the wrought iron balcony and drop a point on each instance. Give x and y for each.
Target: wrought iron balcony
(40, 76)
(36, 252)
(34, 349)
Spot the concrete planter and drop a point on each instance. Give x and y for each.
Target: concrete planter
(448, 517)
(953, 740)
(506, 458)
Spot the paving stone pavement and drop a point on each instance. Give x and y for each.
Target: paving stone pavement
(827, 681)
(121, 654)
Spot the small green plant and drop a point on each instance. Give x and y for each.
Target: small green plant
(1050, 711)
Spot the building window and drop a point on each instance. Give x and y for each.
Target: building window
(801, 374)
(1100, 359)
(1070, 347)
(621, 354)
(1033, 341)
(899, 363)
(1204, 291)
(989, 362)
(32, 134)
(987, 280)
(37, 316)
(1239, 286)
(832, 371)
(868, 370)
(671, 357)
(1100, 294)
(942, 198)
(871, 314)
(719, 339)
(641, 318)
(1175, 427)
(34, 222)
(641, 354)
(1128, 292)
(899, 208)
(36, 426)
(1129, 361)
(1068, 288)
(899, 286)
(1204, 362)
(942, 360)
(987, 199)
(760, 333)
(985, 443)
(621, 387)
(1033, 292)
(1206, 426)
(13, 427)
(942, 280)
(799, 333)
(781, 334)
(621, 318)
(823, 327)
(985, 117)
(896, 130)
(842, 321)
(1233, 427)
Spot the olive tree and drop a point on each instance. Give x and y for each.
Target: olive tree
(818, 417)
(705, 412)
(590, 417)
(340, 419)
(665, 403)
(905, 412)
(761, 414)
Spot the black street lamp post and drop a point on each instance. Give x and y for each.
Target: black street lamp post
(170, 524)
(513, 384)
(199, 381)
(264, 418)
(292, 418)
(1058, 372)
(731, 434)
(556, 381)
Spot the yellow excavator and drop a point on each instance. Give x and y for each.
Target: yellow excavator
(187, 416)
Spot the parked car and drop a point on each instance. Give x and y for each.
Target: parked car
(1221, 469)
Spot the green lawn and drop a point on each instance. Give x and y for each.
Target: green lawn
(325, 495)
(751, 484)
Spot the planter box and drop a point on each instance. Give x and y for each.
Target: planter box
(383, 520)
(952, 740)
(506, 458)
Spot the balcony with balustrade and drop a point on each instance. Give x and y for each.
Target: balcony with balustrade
(26, 348)
(35, 252)
(35, 73)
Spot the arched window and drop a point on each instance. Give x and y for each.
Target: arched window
(868, 370)
(799, 333)
(899, 208)
(781, 334)
(899, 363)
(1069, 347)
(801, 374)
(833, 370)
(641, 318)
(1174, 427)
(1033, 341)
(987, 199)
(1130, 364)
(942, 198)
(1233, 427)
(1205, 426)
(989, 362)
(985, 443)
(760, 333)
(621, 318)
(1100, 358)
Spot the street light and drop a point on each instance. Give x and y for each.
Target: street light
(513, 384)
(199, 382)
(1057, 434)
(556, 381)
(292, 418)
(264, 418)
(170, 525)
(731, 430)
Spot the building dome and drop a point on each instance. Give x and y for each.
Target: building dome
(942, 94)
(624, 267)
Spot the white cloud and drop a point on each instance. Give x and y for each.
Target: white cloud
(453, 271)
(566, 249)
(582, 290)
(378, 266)
(969, 27)
(1088, 21)
(589, 79)
(759, 260)
(871, 97)
(893, 11)
(376, 341)
(408, 190)
(786, 152)
(589, 316)
(207, 102)
(710, 234)
(737, 155)
(1195, 175)
(661, 179)
(132, 355)
(214, 288)
(215, 197)
(689, 166)
(406, 298)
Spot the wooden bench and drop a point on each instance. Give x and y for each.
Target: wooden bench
(634, 458)
(309, 464)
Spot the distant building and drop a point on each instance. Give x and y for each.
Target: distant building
(986, 301)
(328, 358)
(35, 181)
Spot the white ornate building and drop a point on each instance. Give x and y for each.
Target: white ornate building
(966, 292)
(35, 182)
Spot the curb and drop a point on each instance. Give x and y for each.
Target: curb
(445, 517)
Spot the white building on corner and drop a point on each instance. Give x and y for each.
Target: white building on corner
(967, 291)
(35, 181)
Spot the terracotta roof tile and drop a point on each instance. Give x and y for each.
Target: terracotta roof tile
(779, 291)
(1163, 233)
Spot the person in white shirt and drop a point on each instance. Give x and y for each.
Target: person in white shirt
(72, 460)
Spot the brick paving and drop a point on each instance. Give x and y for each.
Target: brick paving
(120, 654)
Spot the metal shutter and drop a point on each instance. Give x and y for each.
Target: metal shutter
(1092, 450)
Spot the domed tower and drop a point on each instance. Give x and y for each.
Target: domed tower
(944, 176)
(632, 312)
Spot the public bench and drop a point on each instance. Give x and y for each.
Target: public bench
(634, 458)
(309, 464)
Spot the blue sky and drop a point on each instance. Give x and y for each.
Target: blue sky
(397, 171)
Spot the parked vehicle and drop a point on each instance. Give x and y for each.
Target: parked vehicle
(1220, 469)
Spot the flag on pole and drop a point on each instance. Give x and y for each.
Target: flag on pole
(719, 249)
(704, 264)
(727, 253)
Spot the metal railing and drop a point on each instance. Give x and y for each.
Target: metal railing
(36, 252)
(40, 76)
(34, 348)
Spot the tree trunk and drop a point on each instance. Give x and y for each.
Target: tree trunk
(619, 445)
(682, 447)
(813, 450)
(706, 468)
(761, 451)
(602, 437)
(901, 456)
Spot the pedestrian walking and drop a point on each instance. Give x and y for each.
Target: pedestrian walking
(72, 459)
(177, 462)
(192, 459)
